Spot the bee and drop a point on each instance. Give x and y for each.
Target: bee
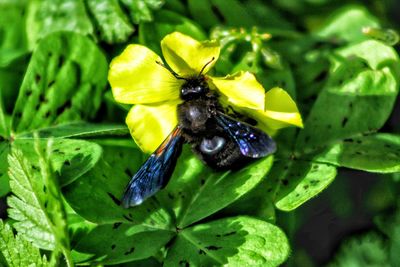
(221, 141)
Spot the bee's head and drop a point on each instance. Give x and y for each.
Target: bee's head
(194, 87)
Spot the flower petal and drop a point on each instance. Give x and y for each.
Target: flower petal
(280, 106)
(136, 78)
(242, 90)
(187, 56)
(271, 126)
(151, 124)
(280, 111)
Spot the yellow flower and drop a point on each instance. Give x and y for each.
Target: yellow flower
(137, 77)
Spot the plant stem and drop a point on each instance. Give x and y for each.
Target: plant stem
(68, 258)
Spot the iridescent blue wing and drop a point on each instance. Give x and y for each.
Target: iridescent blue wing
(155, 172)
(252, 142)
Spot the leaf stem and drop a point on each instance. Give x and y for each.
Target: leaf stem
(68, 258)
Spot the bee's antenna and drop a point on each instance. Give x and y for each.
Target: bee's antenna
(176, 75)
(208, 63)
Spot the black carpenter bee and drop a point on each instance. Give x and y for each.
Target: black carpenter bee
(221, 141)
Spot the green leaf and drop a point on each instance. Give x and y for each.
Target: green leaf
(195, 191)
(119, 243)
(78, 130)
(10, 81)
(34, 204)
(141, 10)
(70, 158)
(233, 13)
(4, 179)
(46, 17)
(149, 262)
(388, 223)
(341, 28)
(26, 205)
(78, 227)
(374, 153)
(278, 78)
(104, 185)
(293, 182)
(202, 12)
(63, 82)
(13, 41)
(237, 241)
(17, 251)
(311, 73)
(4, 120)
(150, 34)
(13, 48)
(367, 250)
(264, 210)
(258, 10)
(212, 12)
(53, 207)
(363, 84)
(113, 24)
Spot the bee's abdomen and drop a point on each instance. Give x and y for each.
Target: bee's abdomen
(226, 157)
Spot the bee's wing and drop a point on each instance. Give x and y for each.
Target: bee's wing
(155, 172)
(252, 142)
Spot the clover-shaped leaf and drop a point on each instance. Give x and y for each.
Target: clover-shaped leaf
(195, 191)
(63, 82)
(236, 241)
(70, 158)
(297, 181)
(362, 153)
(358, 97)
(119, 243)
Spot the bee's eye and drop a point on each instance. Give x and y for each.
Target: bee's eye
(212, 146)
(198, 89)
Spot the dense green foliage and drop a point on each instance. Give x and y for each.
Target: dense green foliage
(66, 154)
